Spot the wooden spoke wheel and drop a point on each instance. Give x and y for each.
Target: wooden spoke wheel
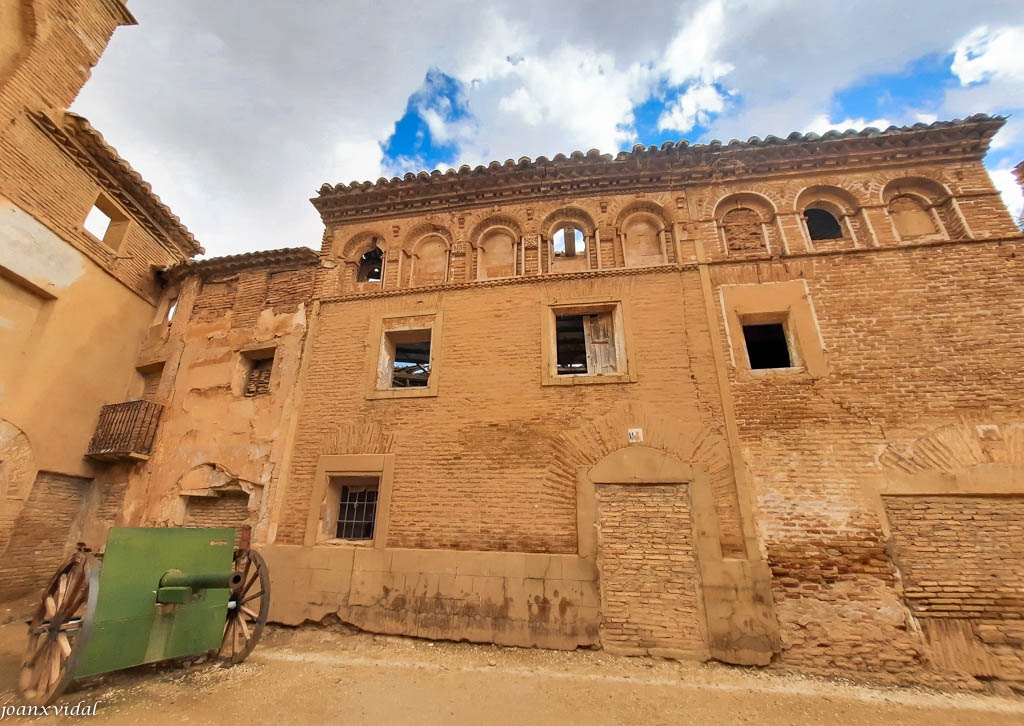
(248, 606)
(58, 630)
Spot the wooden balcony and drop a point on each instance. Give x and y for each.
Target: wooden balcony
(125, 431)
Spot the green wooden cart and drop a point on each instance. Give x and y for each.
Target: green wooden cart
(154, 594)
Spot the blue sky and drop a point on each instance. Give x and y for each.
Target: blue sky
(237, 111)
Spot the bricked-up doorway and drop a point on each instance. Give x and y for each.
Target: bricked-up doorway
(648, 569)
(226, 509)
(636, 518)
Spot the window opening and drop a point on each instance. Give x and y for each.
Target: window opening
(411, 363)
(357, 511)
(257, 381)
(821, 224)
(767, 346)
(370, 266)
(97, 223)
(568, 241)
(585, 344)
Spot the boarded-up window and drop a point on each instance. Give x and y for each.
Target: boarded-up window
(743, 230)
(497, 255)
(585, 344)
(910, 217)
(642, 243)
(151, 376)
(430, 263)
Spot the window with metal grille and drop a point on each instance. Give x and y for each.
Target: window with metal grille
(257, 381)
(357, 511)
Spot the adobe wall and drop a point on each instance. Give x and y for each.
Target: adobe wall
(216, 444)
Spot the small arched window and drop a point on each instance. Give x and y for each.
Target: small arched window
(910, 217)
(822, 224)
(370, 266)
(568, 241)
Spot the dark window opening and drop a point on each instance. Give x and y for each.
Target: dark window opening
(571, 345)
(821, 224)
(370, 266)
(357, 512)
(767, 346)
(411, 365)
(257, 380)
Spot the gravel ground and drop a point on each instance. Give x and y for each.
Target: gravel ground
(314, 675)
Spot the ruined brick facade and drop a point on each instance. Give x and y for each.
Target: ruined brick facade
(758, 402)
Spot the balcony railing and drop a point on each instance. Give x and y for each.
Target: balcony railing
(125, 431)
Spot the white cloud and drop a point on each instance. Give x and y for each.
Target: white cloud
(692, 52)
(695, 106)
(822, 123)
(237, 111)
(1005, 181)
(985, 54)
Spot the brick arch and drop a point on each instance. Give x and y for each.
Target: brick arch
(421, 232)
(957, 448)
(491, 221)
(687, 441)
(761, 204)
(839, 198)
(640, 206)
(568, 214)
(359, 244)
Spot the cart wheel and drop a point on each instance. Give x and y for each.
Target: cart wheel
(248, 606)
(58, 631)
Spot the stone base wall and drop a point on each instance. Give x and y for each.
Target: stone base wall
(529, 600)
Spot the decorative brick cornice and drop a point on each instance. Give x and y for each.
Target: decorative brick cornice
(653, 168)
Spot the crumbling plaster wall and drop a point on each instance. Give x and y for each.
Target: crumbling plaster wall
(212, 436)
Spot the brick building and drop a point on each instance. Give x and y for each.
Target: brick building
(752, 401)
(81, 237)
(756, 401)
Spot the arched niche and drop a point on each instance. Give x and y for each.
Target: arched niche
(921, 208)
(744, 221)
(497, 254)
(430, 259)
(569, 240)
(644, 239)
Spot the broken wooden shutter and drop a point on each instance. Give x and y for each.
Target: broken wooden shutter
(600, 339)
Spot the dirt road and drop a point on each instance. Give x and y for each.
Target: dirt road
(318, 676)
